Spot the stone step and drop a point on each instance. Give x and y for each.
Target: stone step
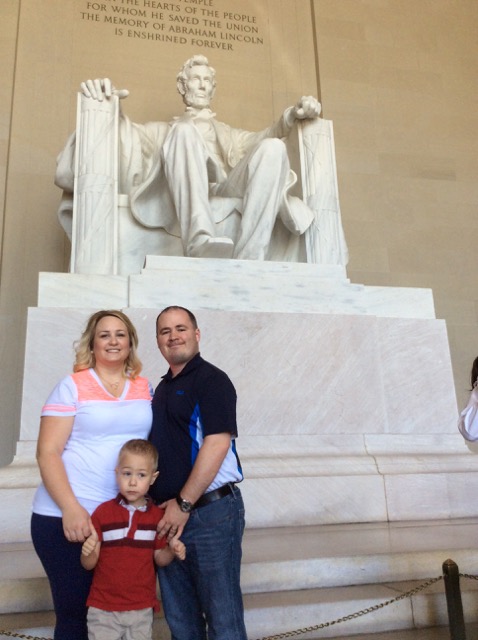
(372, 609)
(296, 577)
(289, 558)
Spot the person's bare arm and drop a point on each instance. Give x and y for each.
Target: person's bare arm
(53, 436)
(208, 462)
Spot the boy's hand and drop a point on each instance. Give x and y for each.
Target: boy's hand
(178, 548)
(89, 545)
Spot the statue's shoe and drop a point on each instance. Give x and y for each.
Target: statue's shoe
(214, 248)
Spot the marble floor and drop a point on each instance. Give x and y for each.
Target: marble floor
(39, 626)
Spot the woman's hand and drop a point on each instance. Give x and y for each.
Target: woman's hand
(77, 524)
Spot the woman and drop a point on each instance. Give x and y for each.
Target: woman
(87, 418)
(468, 420)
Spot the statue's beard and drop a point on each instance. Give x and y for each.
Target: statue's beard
(197, 102)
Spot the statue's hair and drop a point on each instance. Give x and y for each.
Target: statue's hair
(176, 307)
(197, 60)
(140, 448)
(85, 358)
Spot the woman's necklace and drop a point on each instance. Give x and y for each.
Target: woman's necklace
(114, 385)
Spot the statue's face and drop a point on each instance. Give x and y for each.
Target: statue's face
(199, 87)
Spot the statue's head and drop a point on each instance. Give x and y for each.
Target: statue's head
(196, 82)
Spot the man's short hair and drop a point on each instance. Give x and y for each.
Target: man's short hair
(176, 307)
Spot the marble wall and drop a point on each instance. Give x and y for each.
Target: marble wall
(397, 78)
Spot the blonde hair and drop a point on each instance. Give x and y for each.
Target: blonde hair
(85, 358)
(140, 447)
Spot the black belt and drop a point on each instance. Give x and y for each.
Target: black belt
(217, 494)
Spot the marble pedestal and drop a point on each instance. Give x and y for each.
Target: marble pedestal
(346, 412)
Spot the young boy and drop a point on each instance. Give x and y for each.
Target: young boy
(121, 549)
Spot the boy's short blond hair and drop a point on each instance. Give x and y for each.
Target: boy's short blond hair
(141, 448)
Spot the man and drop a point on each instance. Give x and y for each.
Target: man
(194, 430)
(181, 165)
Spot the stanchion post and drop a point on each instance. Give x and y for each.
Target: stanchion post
(456, 620)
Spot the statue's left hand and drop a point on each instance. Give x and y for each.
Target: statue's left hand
(308, 107)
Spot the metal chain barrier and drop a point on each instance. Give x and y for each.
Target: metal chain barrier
(357, 614)
(467, 575)
(317, 627)
(12, 634)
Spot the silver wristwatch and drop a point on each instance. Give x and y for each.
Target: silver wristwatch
(184, 505)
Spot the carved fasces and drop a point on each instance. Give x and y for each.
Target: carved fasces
(325, 240)
(95, 200)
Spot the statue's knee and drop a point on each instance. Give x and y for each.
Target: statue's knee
(273, 144)
(273, 148)
(270, 157)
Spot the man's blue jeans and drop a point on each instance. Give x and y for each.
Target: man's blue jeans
(202, 596)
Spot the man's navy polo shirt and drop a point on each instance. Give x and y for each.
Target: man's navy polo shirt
(199, 401)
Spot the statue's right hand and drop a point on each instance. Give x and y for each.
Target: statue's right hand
(101, 89)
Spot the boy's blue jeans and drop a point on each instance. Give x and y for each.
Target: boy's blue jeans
(202, 596)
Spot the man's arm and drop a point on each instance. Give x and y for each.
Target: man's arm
(208, 462)
(210, 458)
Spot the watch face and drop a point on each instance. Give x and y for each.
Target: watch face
(184, 505)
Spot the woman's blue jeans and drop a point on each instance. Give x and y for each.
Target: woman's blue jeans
(69, 582)
(201, 595)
